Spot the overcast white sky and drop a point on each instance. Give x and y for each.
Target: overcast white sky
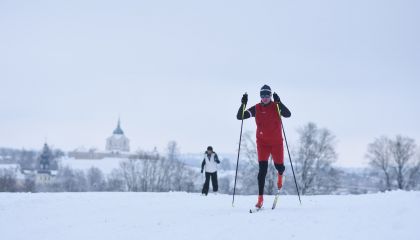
(176, 70)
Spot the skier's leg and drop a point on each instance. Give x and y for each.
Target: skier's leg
(280, 168)
(263, 166)
(214, 182)
(206, 184)
(263, 154)
(262, 172)
(278, 158)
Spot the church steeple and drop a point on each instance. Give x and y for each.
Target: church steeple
(45, 160)
(118, 142)
(118, 130)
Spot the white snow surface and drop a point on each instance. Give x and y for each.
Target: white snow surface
(106, 165)
(178, 215)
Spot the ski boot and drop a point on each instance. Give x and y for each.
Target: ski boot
(260, 201)
(279, 181)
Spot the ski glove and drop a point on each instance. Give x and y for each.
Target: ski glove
(276, 98)
(201, 170)
(244, 99)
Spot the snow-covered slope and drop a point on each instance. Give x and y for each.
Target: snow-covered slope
(105, 216)
(106, 165)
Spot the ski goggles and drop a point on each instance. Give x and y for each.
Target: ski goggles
(265, 94)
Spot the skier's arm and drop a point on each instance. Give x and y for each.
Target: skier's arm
(202, 164)
(285, 112)
(216, 158)
(245, 114)
(250, 112)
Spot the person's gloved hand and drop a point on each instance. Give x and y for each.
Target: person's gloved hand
(201, 170)
(276, 98)
(244, 99)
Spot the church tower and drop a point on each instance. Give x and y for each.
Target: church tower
(44, 161)
(46, 166)
(118, 142)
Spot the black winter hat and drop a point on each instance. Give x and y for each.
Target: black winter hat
(210, 148)
(265, 91)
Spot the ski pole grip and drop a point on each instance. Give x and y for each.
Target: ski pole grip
(243, 107)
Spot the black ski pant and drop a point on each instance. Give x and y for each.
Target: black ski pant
(263, 166)
(214, 183)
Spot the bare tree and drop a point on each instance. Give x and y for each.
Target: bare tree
(380, 158)
(314, 156)
(8, 181)
(95, 180)
(148, 174)
(167, 166)
(414, 176)
(178, 175)
(81, 181)
(30, 184)
(130, 172)
(70, 180)
(172, 150)
(174, 175)
(115, 181)
(162, 174)
(402, 150)
(395, 159)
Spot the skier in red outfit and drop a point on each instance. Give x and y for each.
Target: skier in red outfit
(269, 135)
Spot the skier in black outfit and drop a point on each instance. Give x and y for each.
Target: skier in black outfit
(210, 162)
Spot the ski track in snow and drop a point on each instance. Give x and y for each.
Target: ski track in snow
(177, 215)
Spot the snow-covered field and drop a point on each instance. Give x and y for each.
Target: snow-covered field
(105, 216)
(106, 165)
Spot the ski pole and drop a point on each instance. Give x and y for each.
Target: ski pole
(239, 149)
(288, 152)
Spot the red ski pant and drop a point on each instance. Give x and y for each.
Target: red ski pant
(264, 151)
(276, 150)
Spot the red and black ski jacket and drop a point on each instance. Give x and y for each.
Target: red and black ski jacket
(267, 120)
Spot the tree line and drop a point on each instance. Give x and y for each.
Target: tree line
(143, 172)
(394, 163)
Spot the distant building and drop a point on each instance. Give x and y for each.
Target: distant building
(92, 153)
(46, 167)
(117, 146)
(118, 142)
